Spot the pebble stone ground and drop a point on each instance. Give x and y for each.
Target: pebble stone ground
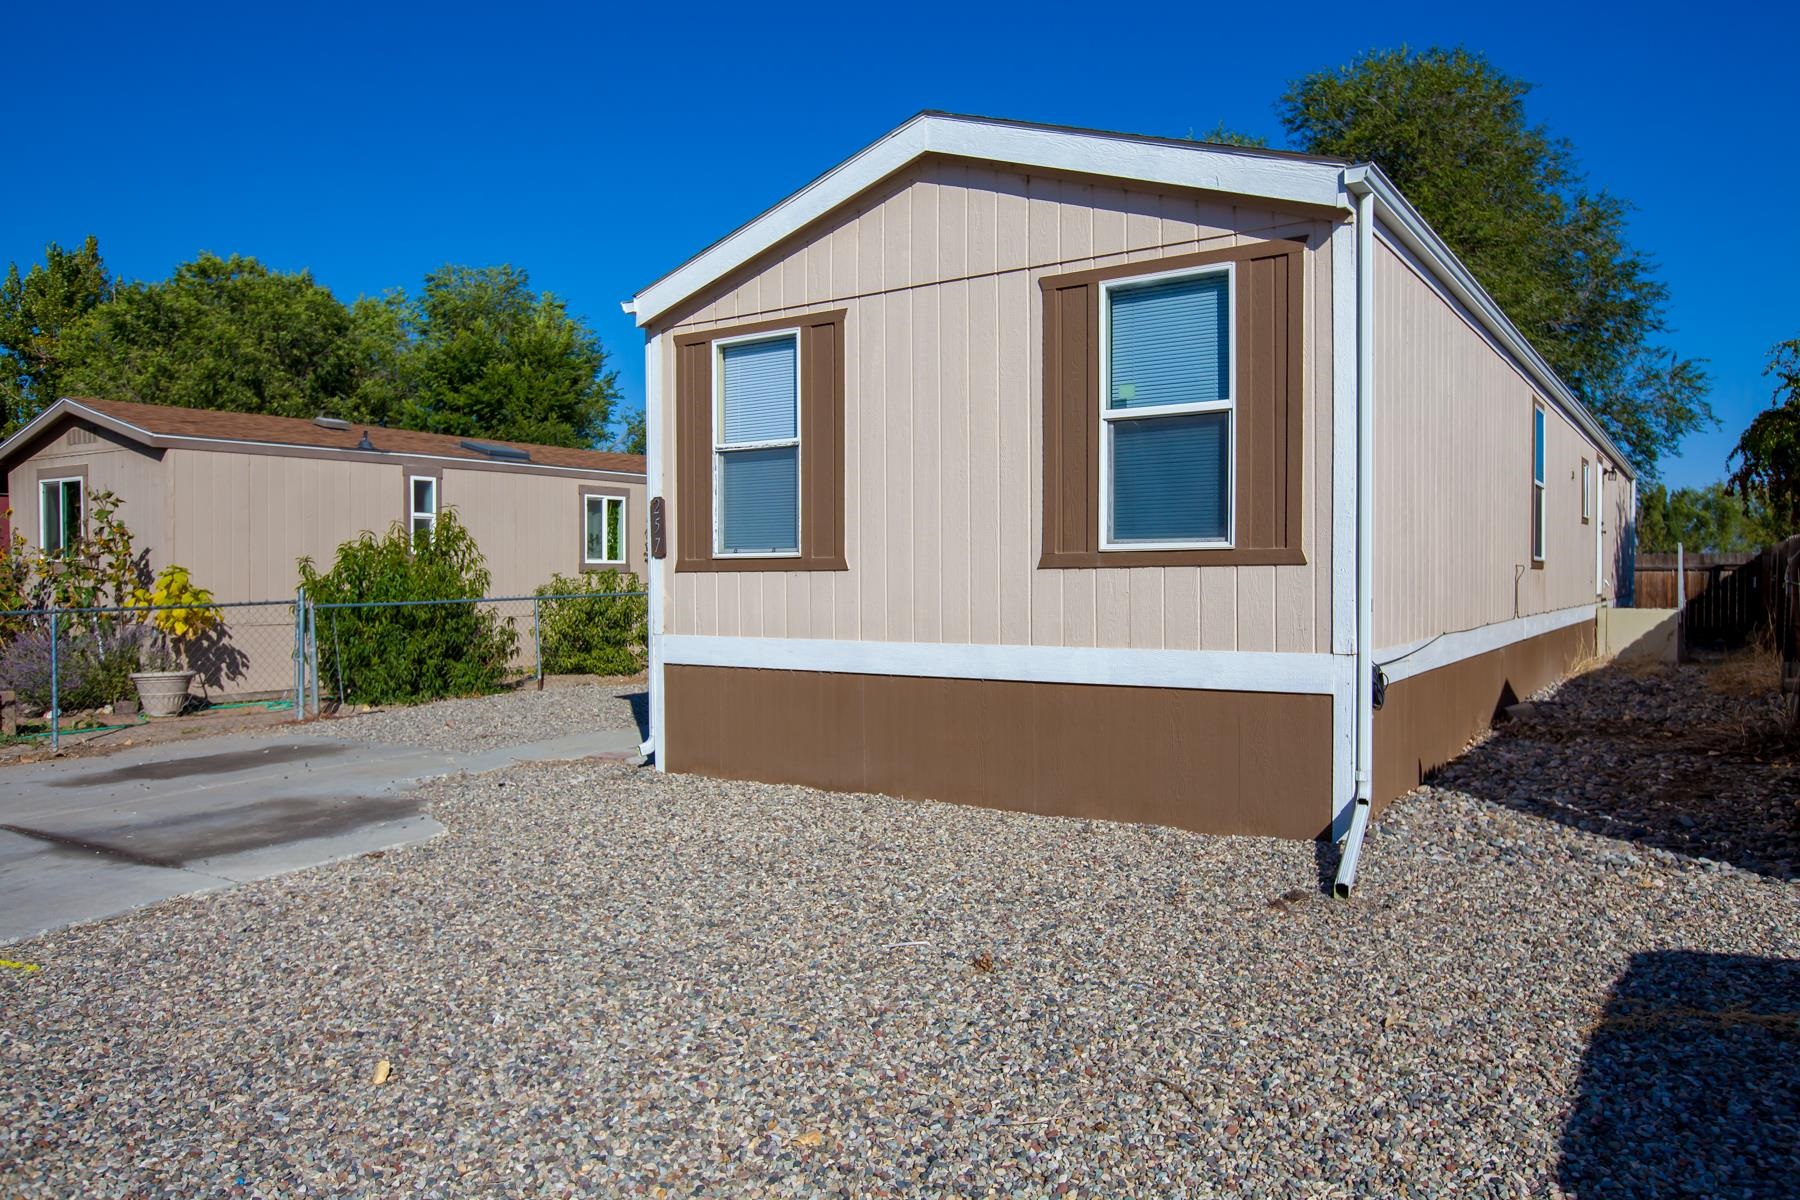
(601, 981)
(491, 722)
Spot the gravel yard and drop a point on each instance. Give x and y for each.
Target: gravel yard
(601, 981)
(492, 722)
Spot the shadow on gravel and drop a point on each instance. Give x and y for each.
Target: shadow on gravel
(640, 712)
(1688, 1083)
(1663, 759)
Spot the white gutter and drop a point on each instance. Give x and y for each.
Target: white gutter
(1362, 690)
(655, 569)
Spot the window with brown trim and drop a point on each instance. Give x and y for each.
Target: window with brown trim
(717, 457)
(1247, 399)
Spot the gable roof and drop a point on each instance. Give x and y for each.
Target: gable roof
(1304, 180)
(1281, 175)
(161, 425)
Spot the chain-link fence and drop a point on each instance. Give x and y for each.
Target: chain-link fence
(89, 669)
(72, 670)
(407, 651)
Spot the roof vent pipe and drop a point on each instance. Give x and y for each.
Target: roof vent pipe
(365, 444)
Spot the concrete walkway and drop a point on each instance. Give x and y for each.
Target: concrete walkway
(88, 838)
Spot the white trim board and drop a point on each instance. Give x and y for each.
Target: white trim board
(1428, 654)
(1204, 670)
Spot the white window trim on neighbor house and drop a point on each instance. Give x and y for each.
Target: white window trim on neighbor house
(603, 503)
(721, 447)
(415, 513)
(43, 510)
(1109, 416)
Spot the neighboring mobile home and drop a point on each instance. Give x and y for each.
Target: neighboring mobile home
(1096, 475)
(239, 498)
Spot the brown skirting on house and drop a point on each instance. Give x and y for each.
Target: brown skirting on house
(1212, 761)
(1428, 719)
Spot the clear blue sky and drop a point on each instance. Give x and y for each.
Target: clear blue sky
(598, 146)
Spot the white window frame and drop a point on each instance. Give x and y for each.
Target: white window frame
(1587, 492)
(1228, 406)
(43, 523)
(1540, 531)
(414, 512)
(587, 504)
(722, 447)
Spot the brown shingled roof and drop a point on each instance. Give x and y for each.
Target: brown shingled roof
(169, 421)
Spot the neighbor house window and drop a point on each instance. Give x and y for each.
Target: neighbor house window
(605, 541)
(756, 447)
(1537, 484)
(424, 494)
(59, 514)
(1587, 492)
(1167, 412)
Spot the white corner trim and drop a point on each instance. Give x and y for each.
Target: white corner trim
(656, 581)
(1246, 172)
(1208, 670)
(1428, 654)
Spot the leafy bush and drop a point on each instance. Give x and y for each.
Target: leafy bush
(403, 655)
(180, 613)
(592, 633)
(94, 665)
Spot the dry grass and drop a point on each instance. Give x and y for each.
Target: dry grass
(1749, 674)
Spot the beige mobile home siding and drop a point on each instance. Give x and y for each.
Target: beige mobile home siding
(130, 472)
(939, 273)
(243, 520)
(1453, 475)
(530, 526)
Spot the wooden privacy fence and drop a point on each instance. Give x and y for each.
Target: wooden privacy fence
(1727, 594)
(1782, 565)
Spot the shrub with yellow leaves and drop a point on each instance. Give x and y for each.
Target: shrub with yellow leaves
(177, 610)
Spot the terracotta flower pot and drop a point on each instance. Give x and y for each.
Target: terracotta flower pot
(163, 693)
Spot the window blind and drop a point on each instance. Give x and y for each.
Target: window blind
(760, 389)
(1171, 478)
(759, 491)
(1170, 343)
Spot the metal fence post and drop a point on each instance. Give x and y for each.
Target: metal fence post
(537, 637)
(300, 654)
(55, 691)
(312, 653)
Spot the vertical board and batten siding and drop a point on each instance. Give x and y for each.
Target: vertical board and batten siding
(938, 272)
(130, 472)
(531, 526)
(1453, 481)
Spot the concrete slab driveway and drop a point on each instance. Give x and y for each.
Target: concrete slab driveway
(87, 838)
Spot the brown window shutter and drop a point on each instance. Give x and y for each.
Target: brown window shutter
(822, 482)
(822, 442)
(1071, 418)
(1270, 433)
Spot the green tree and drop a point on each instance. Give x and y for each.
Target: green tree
(35, 311)
(633, 437)
(224, 333)
(1221, 135)
(1713, 519)
(1451, 131)
(1768, 452)
(483, 355)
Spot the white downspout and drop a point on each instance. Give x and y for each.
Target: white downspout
(654, 580)
(1362, 687)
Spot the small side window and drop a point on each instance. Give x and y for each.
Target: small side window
(1537, 484)
(604, 543)
(1587, 491)
(59, 514)
(423, 490)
